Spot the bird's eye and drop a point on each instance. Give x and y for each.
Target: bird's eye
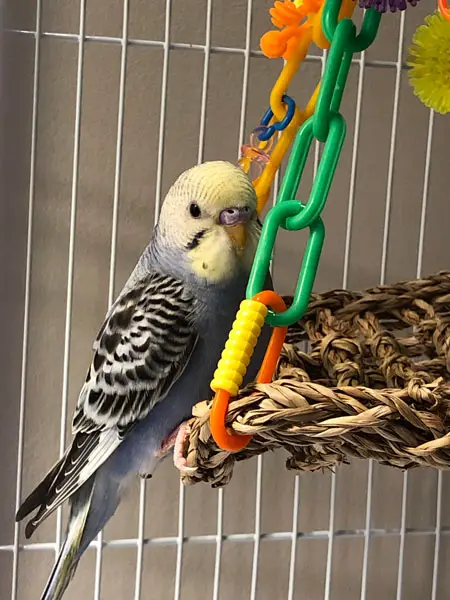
(194, 210)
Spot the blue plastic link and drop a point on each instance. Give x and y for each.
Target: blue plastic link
(265, 131)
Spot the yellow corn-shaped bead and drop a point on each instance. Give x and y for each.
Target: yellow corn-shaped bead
(239, 347)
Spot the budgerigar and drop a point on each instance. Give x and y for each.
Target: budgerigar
(155, 355)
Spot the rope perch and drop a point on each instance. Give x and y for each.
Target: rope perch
(371, 386)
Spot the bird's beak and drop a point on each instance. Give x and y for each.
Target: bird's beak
(235, 221)
(238, 236)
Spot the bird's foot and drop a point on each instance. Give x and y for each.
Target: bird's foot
(177, 440)
(179, 460)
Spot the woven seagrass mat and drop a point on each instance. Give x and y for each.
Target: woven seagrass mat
(374, 383)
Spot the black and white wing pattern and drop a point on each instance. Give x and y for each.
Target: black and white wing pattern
(141, 350)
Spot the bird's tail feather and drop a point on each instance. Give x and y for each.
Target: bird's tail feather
(67, 562)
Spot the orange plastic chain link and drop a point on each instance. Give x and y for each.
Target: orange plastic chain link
(443, 9)
(225, 439)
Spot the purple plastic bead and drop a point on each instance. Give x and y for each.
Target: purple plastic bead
(383, 5)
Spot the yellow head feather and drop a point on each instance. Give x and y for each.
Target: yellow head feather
(214, 187)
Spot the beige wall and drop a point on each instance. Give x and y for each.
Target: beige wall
(48, 285)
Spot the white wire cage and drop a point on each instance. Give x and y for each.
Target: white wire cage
(104, 103)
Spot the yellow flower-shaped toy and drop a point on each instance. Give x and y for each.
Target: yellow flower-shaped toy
(429, 59)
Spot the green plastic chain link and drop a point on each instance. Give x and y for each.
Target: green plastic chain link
(328, 126)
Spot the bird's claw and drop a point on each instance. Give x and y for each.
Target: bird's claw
(176, 440)
(179, 460)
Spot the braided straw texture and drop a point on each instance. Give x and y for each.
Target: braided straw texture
(375, 384)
